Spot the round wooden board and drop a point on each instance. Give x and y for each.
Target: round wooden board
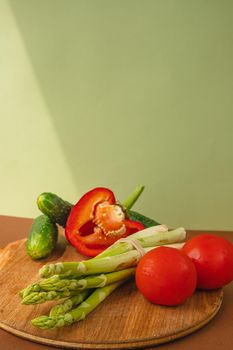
(124, 320)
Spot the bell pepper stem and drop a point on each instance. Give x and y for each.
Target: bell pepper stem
(131, 200)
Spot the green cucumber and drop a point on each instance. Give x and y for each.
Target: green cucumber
(54, 207)
(42, 238)
(147, 222)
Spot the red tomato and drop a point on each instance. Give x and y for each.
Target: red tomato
(213, 259)
(166, 276)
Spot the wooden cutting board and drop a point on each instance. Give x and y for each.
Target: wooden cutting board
(124, 320)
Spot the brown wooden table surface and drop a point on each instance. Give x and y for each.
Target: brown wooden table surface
(218, 334)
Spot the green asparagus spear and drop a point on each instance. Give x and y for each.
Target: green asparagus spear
(92, 266)
(69, 303)
(35, 287)
(93, 281)
(79, 313)
(42, 297)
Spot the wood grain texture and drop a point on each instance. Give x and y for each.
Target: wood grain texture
(124, 320)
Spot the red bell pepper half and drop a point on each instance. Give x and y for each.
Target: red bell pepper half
(97, 221)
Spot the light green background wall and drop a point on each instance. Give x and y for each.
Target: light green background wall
(120, 92)
(31, 156)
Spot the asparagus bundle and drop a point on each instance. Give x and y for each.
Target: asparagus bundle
(54, 288)
(118, 256)
(87, 283)
(79, 313)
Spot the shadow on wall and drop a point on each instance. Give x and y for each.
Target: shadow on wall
(138, 93)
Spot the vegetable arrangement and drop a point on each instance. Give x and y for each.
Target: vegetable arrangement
(87, 283)
(121, 243)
